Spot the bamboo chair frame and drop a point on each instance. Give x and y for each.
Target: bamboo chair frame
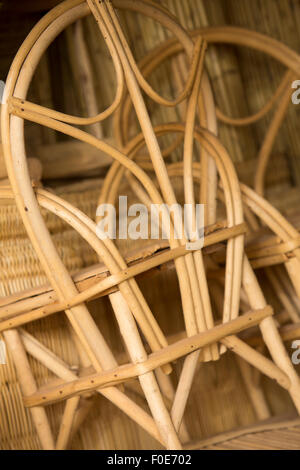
(279, 249)
(280, 98)
(240, 37)
(129, 306)
(272, 218)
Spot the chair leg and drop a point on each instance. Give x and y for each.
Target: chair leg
(270, 333)
(254, 391)
(148, 381)
(28, 387)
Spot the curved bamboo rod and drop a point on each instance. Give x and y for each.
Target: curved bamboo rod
(152, 60)
(237, 36)
(230, 35)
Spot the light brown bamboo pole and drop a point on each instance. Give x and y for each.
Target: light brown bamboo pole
(28, 386)
(270, 334)
(147, 380)
(67, 423)
(86, 78)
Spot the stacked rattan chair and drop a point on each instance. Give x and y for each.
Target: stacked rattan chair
(141, 168)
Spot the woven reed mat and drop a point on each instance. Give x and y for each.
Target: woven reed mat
(273, 434)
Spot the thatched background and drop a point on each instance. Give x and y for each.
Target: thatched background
(242, 80)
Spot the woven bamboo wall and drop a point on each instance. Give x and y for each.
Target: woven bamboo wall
(242, 79)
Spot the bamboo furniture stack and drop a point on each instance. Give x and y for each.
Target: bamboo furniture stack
(220, 307)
